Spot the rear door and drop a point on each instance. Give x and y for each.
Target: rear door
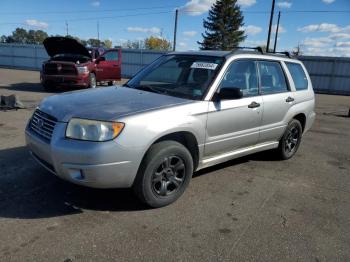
(277, 99)
(110, 68)
(234, 124)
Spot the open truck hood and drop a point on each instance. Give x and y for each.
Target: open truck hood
(64, 45)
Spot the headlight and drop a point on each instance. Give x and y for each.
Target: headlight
(84, 129)
(83, 69)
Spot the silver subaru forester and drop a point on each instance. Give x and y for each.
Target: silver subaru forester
(184, 112)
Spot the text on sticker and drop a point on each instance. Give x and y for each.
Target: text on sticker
(210, 66)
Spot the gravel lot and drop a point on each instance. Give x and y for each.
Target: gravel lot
(250, 209)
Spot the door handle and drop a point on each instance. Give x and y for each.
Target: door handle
(253, 104)
(115, 65)
(289, 99)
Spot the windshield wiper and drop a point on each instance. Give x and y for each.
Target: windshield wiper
(149, 88)
(127, 85)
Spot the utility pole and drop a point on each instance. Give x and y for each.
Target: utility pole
(98, 33)
(276, 35)
(67, 28)
(270, 26)
(175, 29)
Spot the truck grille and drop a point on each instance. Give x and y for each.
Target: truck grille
(59, 69)
(42, 124)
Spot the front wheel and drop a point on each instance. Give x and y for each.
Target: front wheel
(290, 140)
(49, 87)
(92, 80)
(164, 174)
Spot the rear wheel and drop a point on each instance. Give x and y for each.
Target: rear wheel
(164, 174)
(290, 140)
(92, 80)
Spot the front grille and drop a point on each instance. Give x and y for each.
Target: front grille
(42, 124)
(59, 69)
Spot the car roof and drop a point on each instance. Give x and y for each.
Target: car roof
(227, 54)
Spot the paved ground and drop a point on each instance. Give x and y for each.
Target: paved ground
(251, 209)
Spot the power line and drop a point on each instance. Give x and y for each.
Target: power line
(289, 11)
(93, 18)
(87, 11)
(166, 12)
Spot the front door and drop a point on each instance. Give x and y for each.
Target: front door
(108, 69)
(234, 124)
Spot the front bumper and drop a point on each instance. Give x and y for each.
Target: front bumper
(65, 80)
(92, 164)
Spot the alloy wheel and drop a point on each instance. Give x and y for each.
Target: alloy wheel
(169, 176)
(292, 140)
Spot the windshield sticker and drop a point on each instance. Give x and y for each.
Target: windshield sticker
(203, 65)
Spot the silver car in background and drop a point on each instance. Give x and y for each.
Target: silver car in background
(184, 112)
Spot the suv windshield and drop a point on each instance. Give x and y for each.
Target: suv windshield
(183, 76)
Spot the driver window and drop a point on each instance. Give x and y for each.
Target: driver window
(243, 75)
(111, 56)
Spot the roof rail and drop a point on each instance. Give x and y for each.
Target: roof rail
(286, 53)
(258, 48)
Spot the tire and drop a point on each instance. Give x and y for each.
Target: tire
(290, 140)
(49, 87)
(92, 80)
(164, 174)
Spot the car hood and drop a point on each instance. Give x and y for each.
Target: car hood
(63, 45)
(108, 104)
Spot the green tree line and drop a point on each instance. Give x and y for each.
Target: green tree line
(36, 37)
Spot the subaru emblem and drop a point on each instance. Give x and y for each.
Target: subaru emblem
(40, 123)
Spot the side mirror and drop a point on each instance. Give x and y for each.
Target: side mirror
(229, 93)
(99, 59)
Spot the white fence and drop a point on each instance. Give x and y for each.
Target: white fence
(329, 74)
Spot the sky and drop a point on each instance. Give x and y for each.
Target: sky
(317, 33)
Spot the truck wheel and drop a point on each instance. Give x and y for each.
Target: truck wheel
(48, 87)
(164, 174)
(290, 140)
(92, 81)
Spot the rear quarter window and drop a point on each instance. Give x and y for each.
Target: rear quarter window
(298, 75)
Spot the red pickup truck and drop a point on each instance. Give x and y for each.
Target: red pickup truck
(73, 65)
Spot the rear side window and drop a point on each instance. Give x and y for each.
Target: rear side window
(298, 75)
(272, 79)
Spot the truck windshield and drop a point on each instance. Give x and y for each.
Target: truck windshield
(75, 58)
(185, 76)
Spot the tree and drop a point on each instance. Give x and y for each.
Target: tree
(107, 43)
(20, 35)
(94, 42)
(155, 43)
(297, 50)
(36, 37)
(223, 26)
(132, 44)
(3, 39)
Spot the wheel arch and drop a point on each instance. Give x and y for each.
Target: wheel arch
(187, 139)
(301, 117)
